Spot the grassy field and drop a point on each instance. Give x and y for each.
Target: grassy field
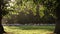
(29, 29)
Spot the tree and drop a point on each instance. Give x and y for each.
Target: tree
(57, 27)
(2, 13)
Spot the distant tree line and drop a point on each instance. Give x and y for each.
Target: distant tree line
(26, 19)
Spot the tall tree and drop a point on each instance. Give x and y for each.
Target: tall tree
(57, 27)
(1, 15)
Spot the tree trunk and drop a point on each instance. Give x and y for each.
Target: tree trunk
(57, 27)
(1, 27)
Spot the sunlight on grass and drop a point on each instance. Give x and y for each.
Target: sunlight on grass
(29, 29)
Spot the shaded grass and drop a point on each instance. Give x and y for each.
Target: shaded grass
(29, 29)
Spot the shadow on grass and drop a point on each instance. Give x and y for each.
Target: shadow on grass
(49, 28)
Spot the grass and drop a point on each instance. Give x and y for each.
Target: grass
(29, 29)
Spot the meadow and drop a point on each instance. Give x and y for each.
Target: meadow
(29, 29)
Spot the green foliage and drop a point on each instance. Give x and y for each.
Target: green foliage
(31, 9)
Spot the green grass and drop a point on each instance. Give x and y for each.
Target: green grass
(29, 29)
